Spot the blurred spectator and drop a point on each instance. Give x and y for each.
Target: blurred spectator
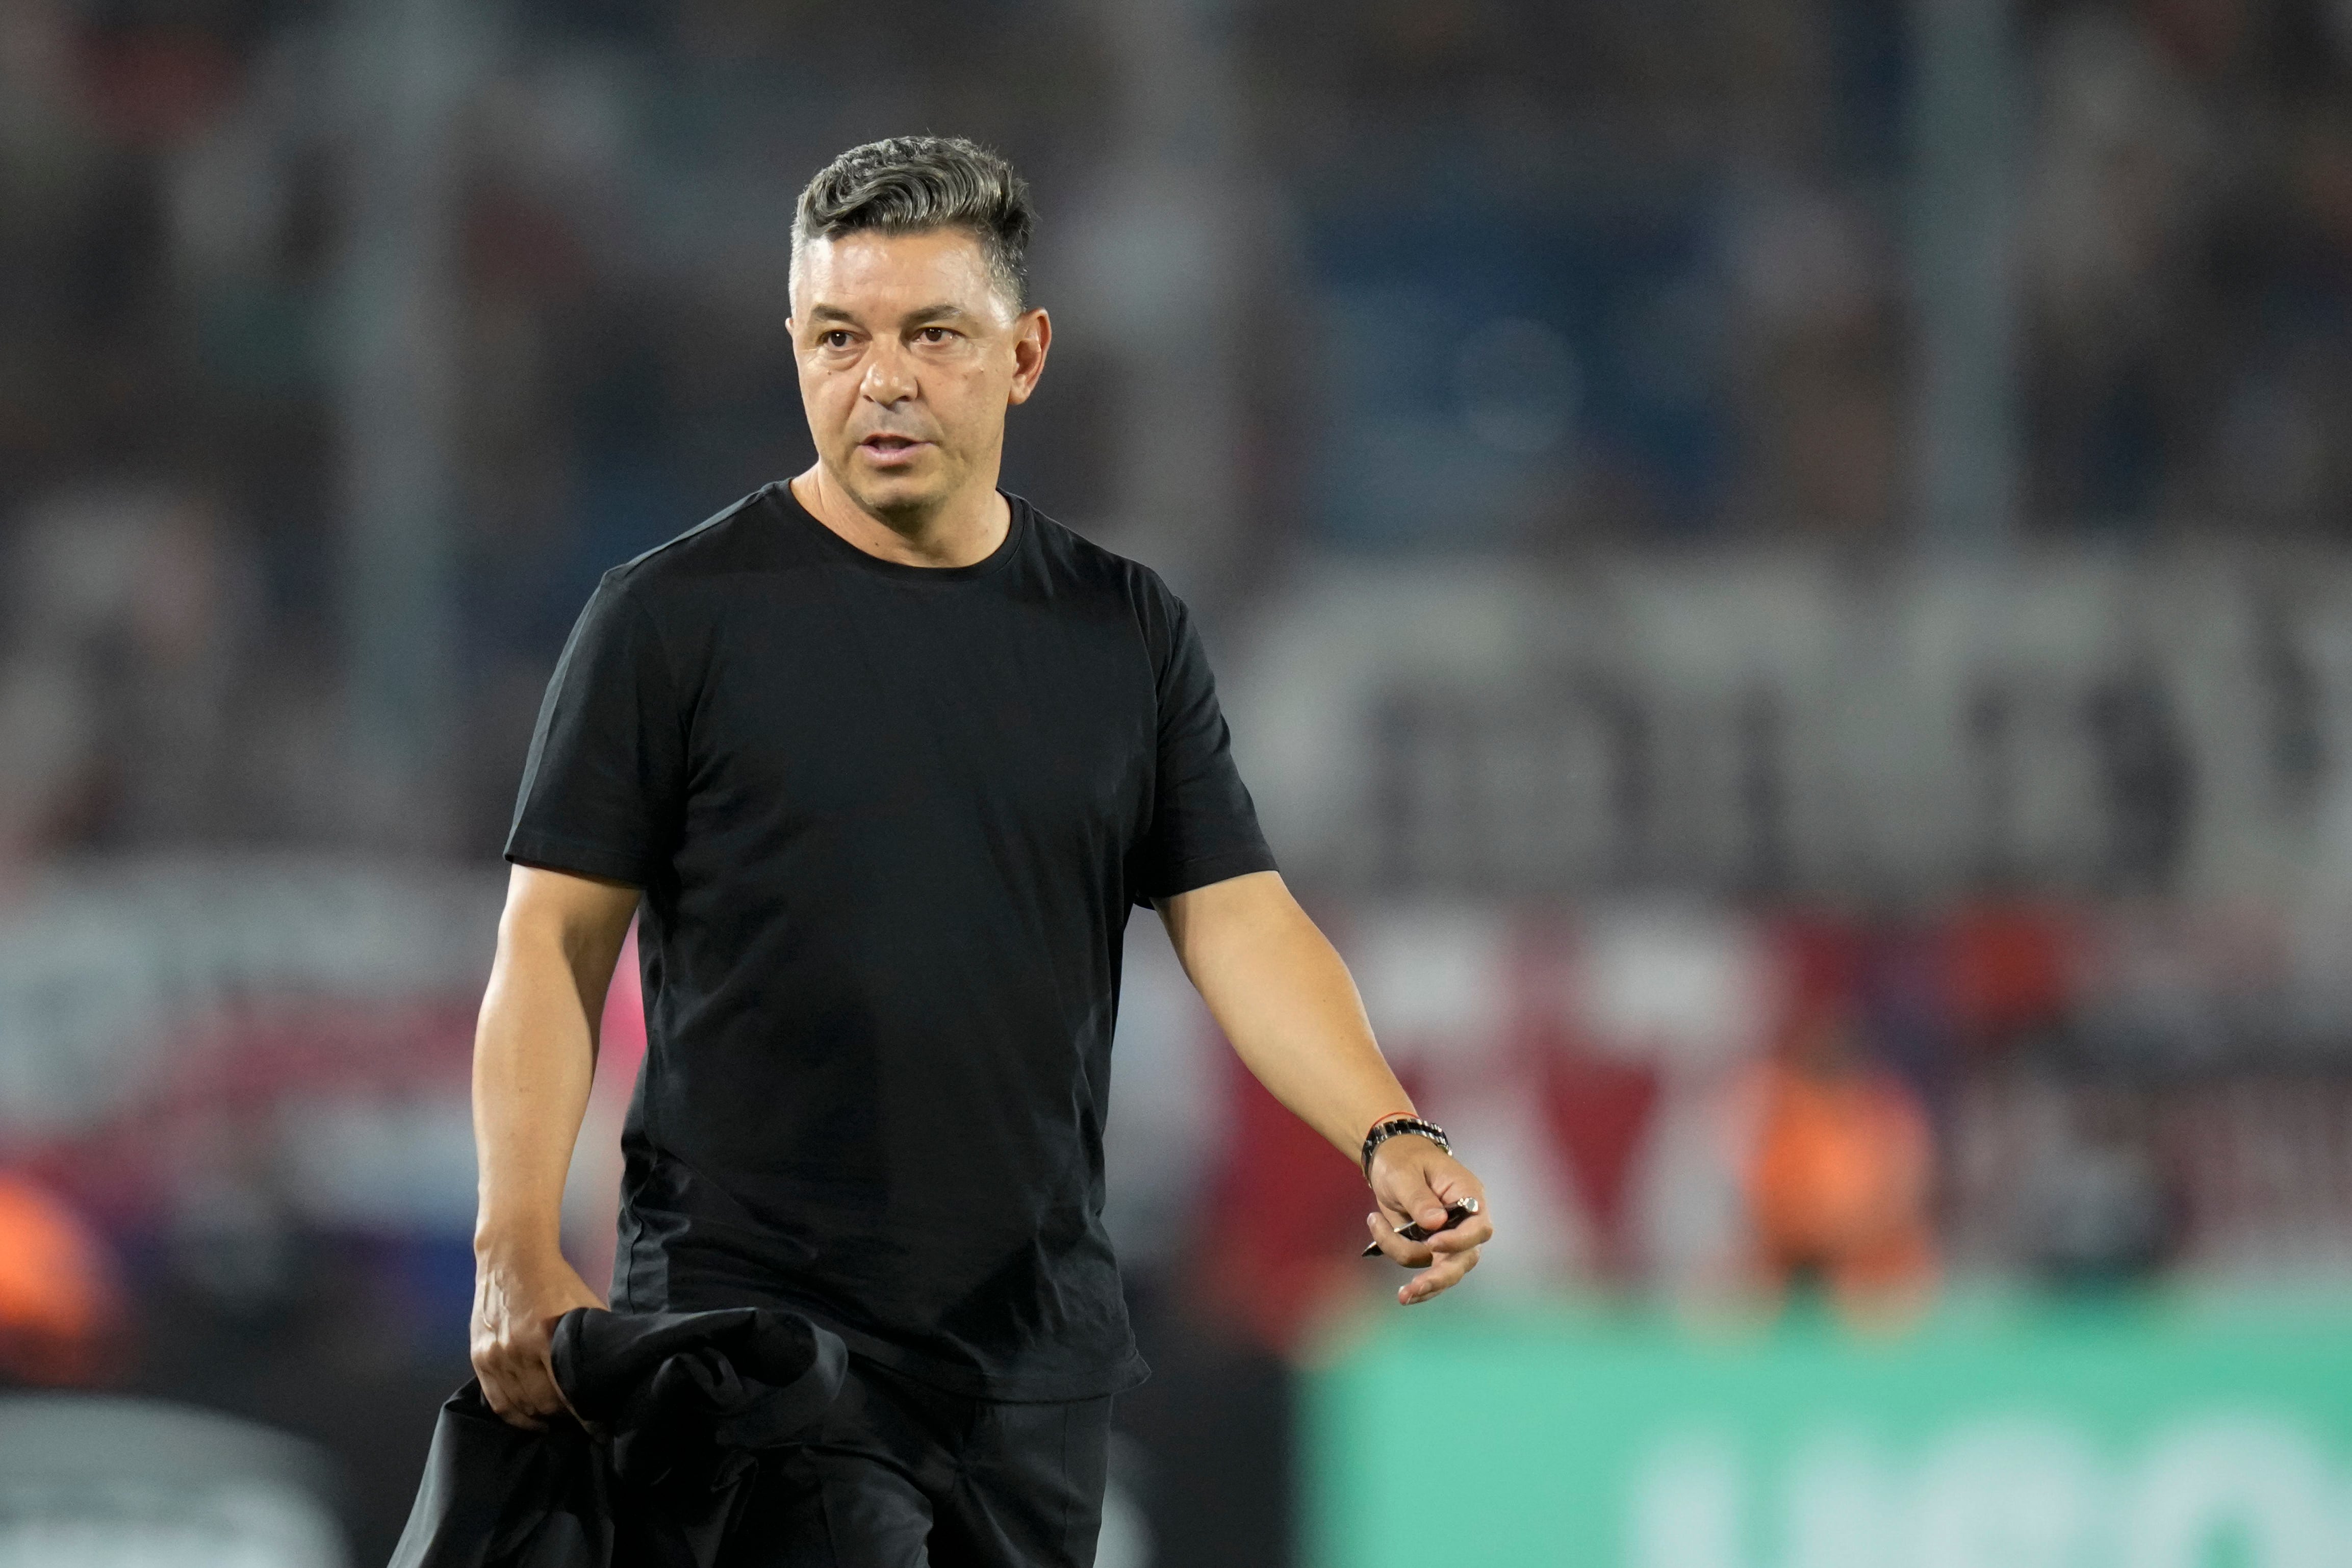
(2186, 275)
(1839, 1178)
(2095, 1213)
(1821, 363)
(120, 696)
(61, 1310)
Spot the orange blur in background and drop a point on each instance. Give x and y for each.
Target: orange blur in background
(61, 1310)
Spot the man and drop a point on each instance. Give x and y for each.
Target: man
(885, 757)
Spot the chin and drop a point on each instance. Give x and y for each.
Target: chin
(890, 495)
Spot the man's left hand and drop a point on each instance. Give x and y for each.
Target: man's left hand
(1416, 1182)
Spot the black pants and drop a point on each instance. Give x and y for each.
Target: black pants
(910, 1477)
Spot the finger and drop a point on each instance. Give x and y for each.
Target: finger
(1404, 1198)
(1412, 1254)
(1468, 1236)
(523, 1408)
(1432, 1190)
(1443, 1275)
(1451, 1181)
(534, 1385)
(527, 1381)
(1392, 1240)
(500, 1394)
(1427, 1208)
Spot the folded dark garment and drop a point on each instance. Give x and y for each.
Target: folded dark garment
(678, 1407)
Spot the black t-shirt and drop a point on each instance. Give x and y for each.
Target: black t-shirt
(890, 821)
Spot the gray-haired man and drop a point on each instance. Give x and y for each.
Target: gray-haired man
(885, 757)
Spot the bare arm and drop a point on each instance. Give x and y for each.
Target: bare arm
(1286, 1002)
(534, 1059)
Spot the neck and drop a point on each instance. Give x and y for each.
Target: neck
(964, 528)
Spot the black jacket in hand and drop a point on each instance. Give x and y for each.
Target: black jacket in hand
(678, 1407)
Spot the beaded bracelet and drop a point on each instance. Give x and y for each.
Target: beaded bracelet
(1400, 1126)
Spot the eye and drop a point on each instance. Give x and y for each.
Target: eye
(933, 335)
(836, 339)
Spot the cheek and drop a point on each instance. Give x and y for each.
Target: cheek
(828, 394)
(969, 396)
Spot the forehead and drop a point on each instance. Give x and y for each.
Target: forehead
(872, 274)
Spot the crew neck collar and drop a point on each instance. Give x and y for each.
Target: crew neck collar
(905, 571)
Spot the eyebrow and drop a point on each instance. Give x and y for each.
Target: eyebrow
(928, 313)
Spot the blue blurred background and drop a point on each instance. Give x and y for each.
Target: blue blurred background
(1781, 571)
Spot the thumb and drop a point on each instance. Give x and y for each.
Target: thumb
(1449, 1182)
(1412, 1194)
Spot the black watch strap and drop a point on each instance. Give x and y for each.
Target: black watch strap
(1397, 1128)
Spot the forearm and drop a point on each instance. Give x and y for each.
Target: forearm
(1285, 1000)
(534, 1060)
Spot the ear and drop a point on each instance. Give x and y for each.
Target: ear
(1033, 334)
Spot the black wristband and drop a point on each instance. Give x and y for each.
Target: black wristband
(1397, 1128)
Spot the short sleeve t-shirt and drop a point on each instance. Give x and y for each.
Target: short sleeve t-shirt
(890, 821)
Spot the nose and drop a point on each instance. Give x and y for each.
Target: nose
(889, 377)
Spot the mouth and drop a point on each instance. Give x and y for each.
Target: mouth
(890, 450)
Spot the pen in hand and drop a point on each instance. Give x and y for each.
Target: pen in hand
(1413, 1231)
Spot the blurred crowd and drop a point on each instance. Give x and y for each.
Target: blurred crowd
(1454, 274)
(1533, 388)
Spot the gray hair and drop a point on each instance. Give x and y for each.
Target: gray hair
(909, 185)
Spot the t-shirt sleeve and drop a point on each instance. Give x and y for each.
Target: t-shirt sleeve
(604, 788)
(1204, 824)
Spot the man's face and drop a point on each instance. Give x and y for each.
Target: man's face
(909, 355)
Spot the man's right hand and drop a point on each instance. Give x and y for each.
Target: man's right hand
(517, 1297)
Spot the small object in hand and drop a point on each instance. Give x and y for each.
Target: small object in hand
(1455, 1215)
